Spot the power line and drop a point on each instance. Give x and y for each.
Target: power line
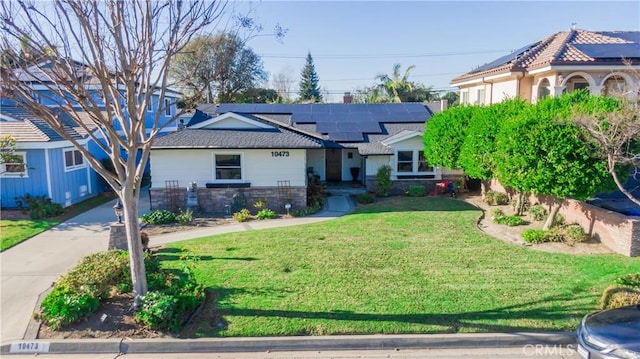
(410, 75)
(383, 56)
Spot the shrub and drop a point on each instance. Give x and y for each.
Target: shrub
(558, 220)
(538, 212)
(77, 294)
(494, 198)
(555, 234)
(383, 181)
(619, 296)
(144, 238)
(314, 208)
(40, 207)
(184, 217)
(171, 297)
(365, 198)
(416, 191)
(158, 216)
(501, 218)
(266, 214)
(574, 233)
(260, 204)
(242, 216)
(534, 235)
(629, 280)
(64, 306)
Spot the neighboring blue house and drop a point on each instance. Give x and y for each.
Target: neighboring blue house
(52, 165)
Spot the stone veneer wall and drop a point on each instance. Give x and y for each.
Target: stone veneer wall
(618, 232)
(214, 200)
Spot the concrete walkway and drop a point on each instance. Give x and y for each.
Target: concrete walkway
(31, 267)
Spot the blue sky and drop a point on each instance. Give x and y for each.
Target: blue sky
(353, 41)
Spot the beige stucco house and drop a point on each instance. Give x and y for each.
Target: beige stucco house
(602, 61)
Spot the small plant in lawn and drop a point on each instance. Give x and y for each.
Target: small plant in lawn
(184, 217)
(616, 296)
(242, 216)
(365, 198)
(538, 212)
(314, 208)
(266, 214)
(159, 216)
(494, 198)
(416, 191)
(144, 238)
(534, 235)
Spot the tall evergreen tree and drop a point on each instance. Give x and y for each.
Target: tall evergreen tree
(309, 90)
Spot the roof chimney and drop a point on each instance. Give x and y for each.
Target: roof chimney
(347, 98)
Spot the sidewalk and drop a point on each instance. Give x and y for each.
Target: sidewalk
(32, 266)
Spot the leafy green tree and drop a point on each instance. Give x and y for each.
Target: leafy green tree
(452, 98)
(540, 151)
(478, 151)
(219, 67)
(309, 89)
(613, 125)
(445, 134)
(396, 86)
(258, 95)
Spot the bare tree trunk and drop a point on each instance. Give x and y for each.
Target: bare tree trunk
(620, 185)
(555, 208)
(520, 204)
(129, 200)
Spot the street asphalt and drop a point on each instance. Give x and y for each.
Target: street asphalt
(29, 269)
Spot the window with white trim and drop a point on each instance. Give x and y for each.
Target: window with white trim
(480, 100)
(412, 163)
(167, 107)
(150, 105)
(15, 166)
(73, 160)
(228, 166)
(464, 97)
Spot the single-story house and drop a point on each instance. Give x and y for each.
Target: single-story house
(272, 150)
(605, 62)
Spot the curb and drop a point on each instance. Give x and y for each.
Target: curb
(274, 344)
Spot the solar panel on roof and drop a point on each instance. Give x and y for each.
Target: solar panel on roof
(358, 108)
(327, 127)
(346, 136)
(338, 108)
(320, 108)
(504, 59)
(603, 51)
(302, 117)
(369, 127)
(346, 126)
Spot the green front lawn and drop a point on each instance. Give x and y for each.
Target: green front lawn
(17, 231)
(405, 265)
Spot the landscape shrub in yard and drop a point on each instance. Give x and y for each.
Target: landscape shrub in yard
(538, 212)
(159, 216)
(416, 191)
(242, 216)
(40, 207)
(184, 217)
(510, 220)
(365, 198)
(534, 235)
(624, 291)
(383, 181)
(266, 214)
(494, 198)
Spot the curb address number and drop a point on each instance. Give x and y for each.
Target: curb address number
(279, 153)
(29, 347)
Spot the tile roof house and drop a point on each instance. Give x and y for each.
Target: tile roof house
(258, 147)
(52, 166)
(605, 62)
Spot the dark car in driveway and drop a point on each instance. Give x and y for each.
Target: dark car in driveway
(610, 334)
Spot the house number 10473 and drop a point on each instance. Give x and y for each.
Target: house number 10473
(279, 153)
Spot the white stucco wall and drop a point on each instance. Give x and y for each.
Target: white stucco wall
(316, 159)
(347, 163)
(502, 91)
(374, 162)
(259, 167)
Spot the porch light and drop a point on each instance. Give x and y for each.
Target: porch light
(117, 208)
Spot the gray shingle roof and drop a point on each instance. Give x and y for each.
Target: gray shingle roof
(30, 128)
(217, 138)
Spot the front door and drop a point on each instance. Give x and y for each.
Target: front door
(334, 164)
